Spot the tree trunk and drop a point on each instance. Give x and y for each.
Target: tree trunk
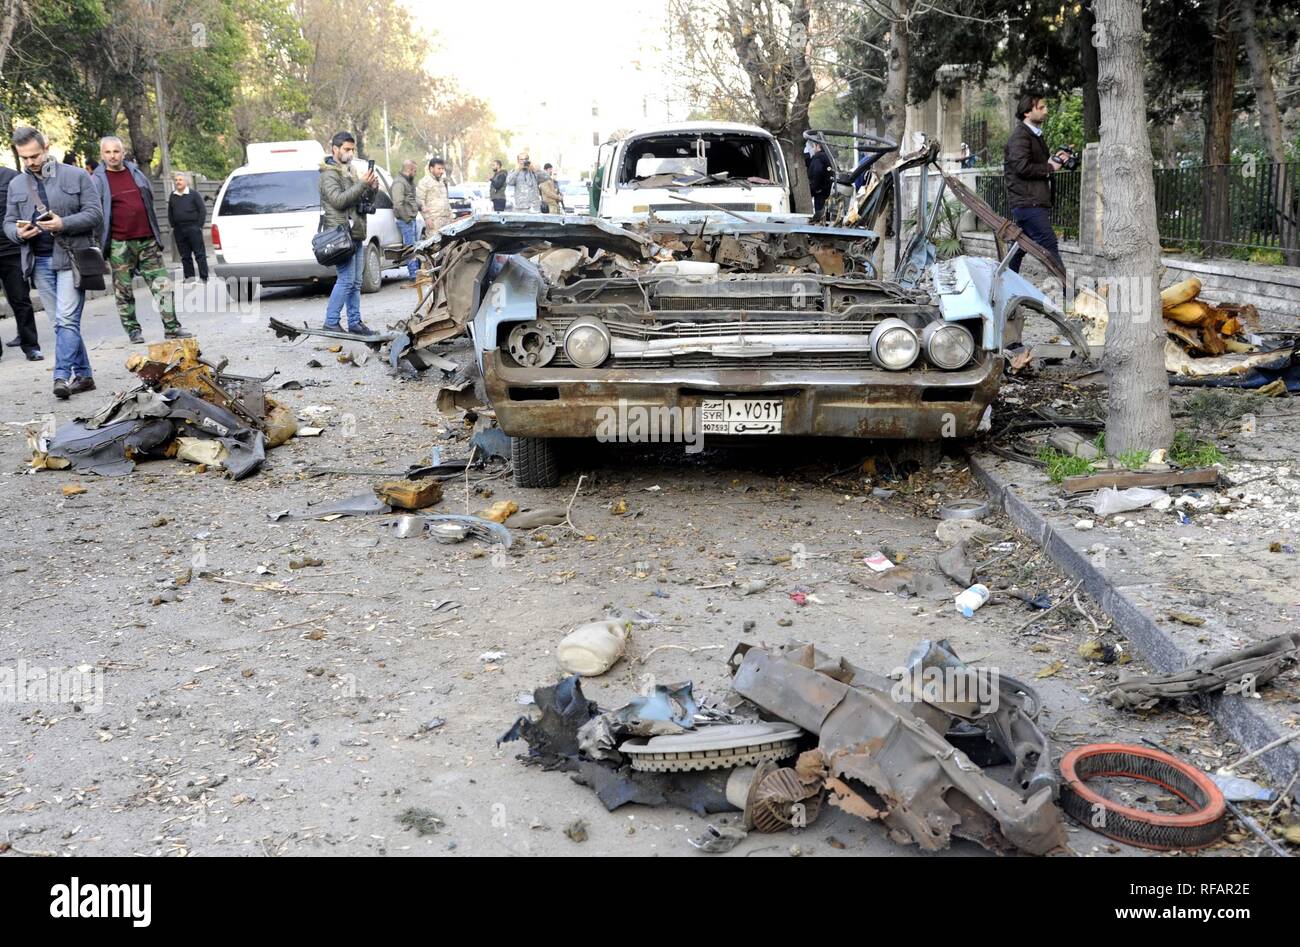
(1216, 219)
(1138, 415)
(1270, 119)
(1088, 63)
(8, 23)
(893, 104)
(137, 127)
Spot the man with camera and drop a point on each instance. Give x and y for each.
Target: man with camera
(1028, 167)
(346, 197)
(528, 199)
(52, 211)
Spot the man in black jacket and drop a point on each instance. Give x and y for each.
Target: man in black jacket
(186, 212)
(1027, 168)
(15, 284)
(820, 178)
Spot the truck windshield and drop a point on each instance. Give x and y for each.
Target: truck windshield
(736, 156)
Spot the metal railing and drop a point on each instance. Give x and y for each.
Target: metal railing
(1065, 204)
(1218, 210)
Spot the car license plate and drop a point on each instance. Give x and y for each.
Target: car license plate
(741, 416)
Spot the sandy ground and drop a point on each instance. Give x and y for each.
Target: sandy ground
(269, 710)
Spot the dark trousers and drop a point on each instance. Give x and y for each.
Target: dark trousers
(20, 301)
(819, 201)
(1036, 222)
(190, 248)
(498, 204)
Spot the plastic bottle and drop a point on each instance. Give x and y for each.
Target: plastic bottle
(969, 601)
(592, 649)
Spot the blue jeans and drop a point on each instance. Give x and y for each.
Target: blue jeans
(347, 289)
(408, 239)
(64, 304)
(1036, 222)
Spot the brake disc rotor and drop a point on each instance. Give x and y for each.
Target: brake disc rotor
(717, 747)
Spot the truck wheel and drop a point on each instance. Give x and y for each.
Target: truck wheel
(534, 462)
(239, 290)
(372, 277)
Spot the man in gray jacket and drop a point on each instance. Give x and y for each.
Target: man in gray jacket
(52, 210)
(405, 208)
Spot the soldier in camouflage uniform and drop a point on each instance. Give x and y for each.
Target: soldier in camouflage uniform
(133, 240)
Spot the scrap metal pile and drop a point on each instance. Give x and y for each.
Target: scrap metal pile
(184, 407)
(803, 728)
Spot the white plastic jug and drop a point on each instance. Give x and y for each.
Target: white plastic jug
(969, 601)
(592, 649)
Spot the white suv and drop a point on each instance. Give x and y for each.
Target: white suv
(267, 212)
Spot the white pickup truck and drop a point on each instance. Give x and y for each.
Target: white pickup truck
(689, 167)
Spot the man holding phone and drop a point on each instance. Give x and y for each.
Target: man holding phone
(528, 198)
(345, 200)
(52, 210)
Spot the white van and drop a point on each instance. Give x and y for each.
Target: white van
(690, 168)
(267, 212)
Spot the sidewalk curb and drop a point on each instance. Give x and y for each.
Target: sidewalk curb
(1239, 716)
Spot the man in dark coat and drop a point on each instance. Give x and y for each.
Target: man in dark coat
(1027, 170)
(15, 284)
(186, 212)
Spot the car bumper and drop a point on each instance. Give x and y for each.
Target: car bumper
(269, 274)
(908, 405)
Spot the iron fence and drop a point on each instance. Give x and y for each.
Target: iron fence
(1218, 210)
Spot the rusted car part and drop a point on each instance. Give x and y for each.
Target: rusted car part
(889, 759)
(1008, 721)
(1204, 825)
(1237, 671)
(181, 397)
(1005, 232)
(284, 330)
(721, 747)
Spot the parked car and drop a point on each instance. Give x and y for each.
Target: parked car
(677, 169)
(268, 210)
(469, 198)
(577, 199)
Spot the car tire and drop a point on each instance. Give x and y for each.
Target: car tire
(534, 462)
(239, 290)
(372, 276)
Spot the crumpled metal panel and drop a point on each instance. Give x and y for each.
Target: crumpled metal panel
(108, 449)
(1256, 664)
(894, 754)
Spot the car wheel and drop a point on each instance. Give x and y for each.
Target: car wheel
(372, 277)
(239, 290)
(534, 462)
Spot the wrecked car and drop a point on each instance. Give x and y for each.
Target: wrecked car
(716, 322)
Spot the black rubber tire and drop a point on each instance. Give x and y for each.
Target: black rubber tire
(239, 290)
(372, 276)
(534, 462)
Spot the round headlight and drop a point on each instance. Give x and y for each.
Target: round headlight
(586, 342)
(948, 345)
(894, 344)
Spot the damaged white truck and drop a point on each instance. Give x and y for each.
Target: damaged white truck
(696, 293)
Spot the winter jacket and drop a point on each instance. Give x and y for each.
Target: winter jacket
(186, 210)
(435, 202)
(819, 174)
(72, 196)
(340, 190)
(1025, 169)
(405, 202)
(7, 247)
(106, 200)
(550, 194)
(497, 186)
(527, 198)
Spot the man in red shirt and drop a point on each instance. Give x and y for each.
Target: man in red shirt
(132, 240)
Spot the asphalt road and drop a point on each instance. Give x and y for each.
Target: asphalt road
(276, 710)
